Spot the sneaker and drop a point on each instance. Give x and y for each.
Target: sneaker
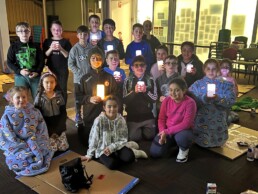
(139, 154)
(78, 120)
(250, 154)
(132, 144)
(182, 155)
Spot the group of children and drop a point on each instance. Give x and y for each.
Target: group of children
(154, 93)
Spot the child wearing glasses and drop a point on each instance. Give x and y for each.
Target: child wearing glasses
(79, 64)
(94, 86)
(170, 66)
(26, 59)
(139, 94)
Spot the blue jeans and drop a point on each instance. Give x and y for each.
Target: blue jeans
(182, 139)
(30, 83)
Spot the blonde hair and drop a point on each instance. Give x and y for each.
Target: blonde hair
(15, 90)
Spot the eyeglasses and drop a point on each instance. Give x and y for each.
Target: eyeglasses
(137, 65)
(24, 31)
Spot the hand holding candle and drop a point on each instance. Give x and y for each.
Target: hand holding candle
(110, 47)
(138, 52)
(211, 90)
(117, 76)
(101, 91)
(189, 68)
(140, 86)
(160, 65)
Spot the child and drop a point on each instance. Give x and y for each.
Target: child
(88, 94)
(109, 40)
(51, 104)
(108, 137)
(163, 80)
(139, 95)
(176, 119)
(78, 63)
(23, 136)
(210, 128)
(161, 54)
(95, 33)
(225, 72)
(139, 47)
(151, 39)
(25, 59)
(56, 51)
(189, 58)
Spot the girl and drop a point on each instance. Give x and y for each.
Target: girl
(23, 136)
(50, 102)
(210, 128)
(108, 138)
(175, 122)
(56, 51)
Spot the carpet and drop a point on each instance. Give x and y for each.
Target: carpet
(237, 133)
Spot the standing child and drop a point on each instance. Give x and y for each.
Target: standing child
(108, 138)
(109, 42)
(24, 136)
(78, 63)
(210, 128)
(161, 54)
(95, 33)
(139, 94)
(176, 119)
(163, 80)
(189, 65)
(51, 104)
(139, 47)
(56, 51)
(88, 95)
(147, 36)
(25, 59)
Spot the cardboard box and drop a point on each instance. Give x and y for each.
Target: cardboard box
(104, 181)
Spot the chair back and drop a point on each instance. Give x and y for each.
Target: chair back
(230, 53)
(249, 54)
(242, 39)
(224, 35)
(216, 49)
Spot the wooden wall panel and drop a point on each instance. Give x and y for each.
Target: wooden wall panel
(23, 10)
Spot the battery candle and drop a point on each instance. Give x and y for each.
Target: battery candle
(189, 68)
(101, 91)
(211, 88)
(160, 64)
(94, 37)
(110, 47)
(116, 73)
(138, 52)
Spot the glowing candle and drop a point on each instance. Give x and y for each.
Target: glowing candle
(110, 47)
(160, 65)
(138, 52)
(211, 88)
(189, 68)
(94, 37)
(116, 73)
(101, 91)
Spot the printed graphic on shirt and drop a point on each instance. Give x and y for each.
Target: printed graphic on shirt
(26, 57)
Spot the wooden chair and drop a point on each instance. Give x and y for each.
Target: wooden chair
(216, 49)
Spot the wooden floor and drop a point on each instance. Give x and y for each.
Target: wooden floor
(166, 175)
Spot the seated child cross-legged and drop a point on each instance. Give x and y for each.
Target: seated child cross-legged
(24, 136)
(51, 103)
(175, 122)
(108, 138)
(139, 94)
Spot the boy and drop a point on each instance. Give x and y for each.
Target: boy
(112, 60)
(78, 63)
(25, 59)
(189, 58)
(139, 47)
(88, 94)
(95, 33)
(161, 54)
(139, 95)
(109, 42)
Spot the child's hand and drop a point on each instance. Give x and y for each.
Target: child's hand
(33, 74)
(85, 158)
(162, 139)
(95, 99)
(140, 88)
(193, 71)
(94, 42)
(107, 152)
(54, 45)
(25, 72)
(162, 98)
(118, 78)
(212, 97)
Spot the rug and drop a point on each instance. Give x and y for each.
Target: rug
(6, 79)
(237, 133)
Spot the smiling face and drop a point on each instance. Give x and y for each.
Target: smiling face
(187, 53)
(49, 84)
(176, 93)
(56, 31)
(96, 61)
(20, 99)
(108, 29)
(111, 109)
(112, 61)
(171, 66)
(147, 27)
(161, 54)
(139, 68)
(94, 24)
(23, 33)
(137, 34)
(211, 70)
